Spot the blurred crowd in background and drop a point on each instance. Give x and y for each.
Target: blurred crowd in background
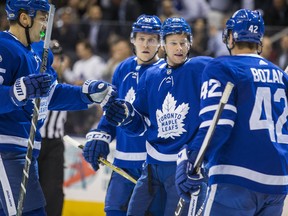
(94, 35)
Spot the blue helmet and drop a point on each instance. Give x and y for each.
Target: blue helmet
(146, 24)
(175, 25)
(246, 26)
(31, 6)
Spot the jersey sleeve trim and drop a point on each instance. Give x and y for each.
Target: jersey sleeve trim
(4, 139)
(248, 174)
(214, 108)
(220, 122)
(130, 156)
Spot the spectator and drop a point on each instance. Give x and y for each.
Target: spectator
(96, 31)
(267, 49)
(219, 9)
(123, 11)
(193, 9)
(149, 6)
(277, 14)
(283, 58)
(216, 47)
(4, 24)
(88, 66)
(120, 49)
(200, 37)
(84, 68)
(66, 30)
(167, 10)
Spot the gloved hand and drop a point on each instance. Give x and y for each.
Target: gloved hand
(99, 92)
(97, 145)
(120, 112)
(186, 181)
(29, 87)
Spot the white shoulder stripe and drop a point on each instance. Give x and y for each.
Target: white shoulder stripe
(220, 122)
(214, 107)
(2, 70)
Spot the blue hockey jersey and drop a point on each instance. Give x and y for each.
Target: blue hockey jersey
(130, 151)
(250, 144)
(16, 61)
(167, 106)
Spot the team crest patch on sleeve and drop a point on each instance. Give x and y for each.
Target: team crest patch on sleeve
(43, 109)
(170, 119)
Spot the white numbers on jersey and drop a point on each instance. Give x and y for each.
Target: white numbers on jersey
(263, 105)
(212, 85)
(253, 29)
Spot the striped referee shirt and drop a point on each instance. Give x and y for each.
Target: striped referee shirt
(53, 127)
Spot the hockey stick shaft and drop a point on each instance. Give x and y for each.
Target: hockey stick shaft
(34, 121)
(68, 139)
(225, 96)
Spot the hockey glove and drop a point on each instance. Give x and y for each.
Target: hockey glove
(186, 181)
(120, 112)
(30, 87)
(99, 92)
(97, 145)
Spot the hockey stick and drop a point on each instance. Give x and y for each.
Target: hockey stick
(34, 121)
(198, 162)
(68, 139)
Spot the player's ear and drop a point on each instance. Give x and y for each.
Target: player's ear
(24, 19)
(230, 40)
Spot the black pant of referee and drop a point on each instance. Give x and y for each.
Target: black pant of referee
(51, 174)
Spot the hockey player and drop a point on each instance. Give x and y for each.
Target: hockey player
(20, 83)
(248, 155)
(166, 110)
(130, 152)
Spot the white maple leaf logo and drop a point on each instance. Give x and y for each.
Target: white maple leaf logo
(130, 96)
(170, 119)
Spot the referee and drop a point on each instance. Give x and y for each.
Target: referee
(51, 158)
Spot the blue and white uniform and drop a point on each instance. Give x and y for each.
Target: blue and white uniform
(17, 61)
(167, 107)
(249, 148)
(130, 152)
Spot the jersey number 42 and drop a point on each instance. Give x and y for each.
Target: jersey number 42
(263, 107)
